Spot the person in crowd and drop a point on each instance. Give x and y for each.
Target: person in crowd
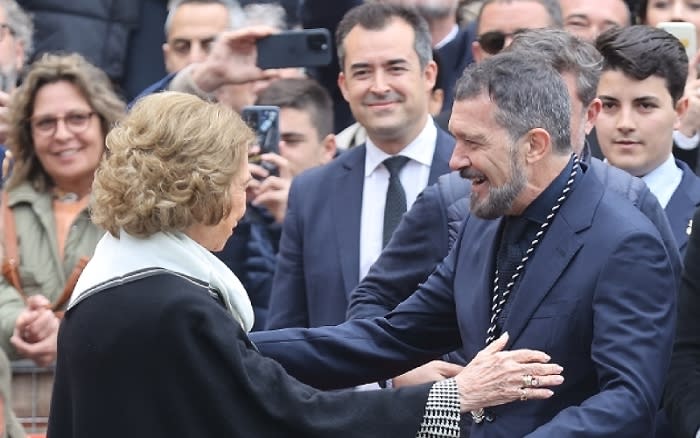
(548, 253)
(589, 18)
(306, 141)
(58, 121)
(340, 215)
(451, 43)
(682, 396)
(686, 137)
(171, 190)
(500, 20)
(432, 225)
(15, 46)
(192, 26)
(355, 134)
(641, 88)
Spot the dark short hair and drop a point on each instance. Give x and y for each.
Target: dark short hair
(567, 54)
(642, 51)
(304, 95)
(552, 6)
(527, 93)
(376, 16)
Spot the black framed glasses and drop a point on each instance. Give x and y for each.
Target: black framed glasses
(76, 122)
(494, 41)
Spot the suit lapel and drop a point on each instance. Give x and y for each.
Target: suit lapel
(474, 279)
(682, 205)
(558, 247)
(347, 205)
(444, 144)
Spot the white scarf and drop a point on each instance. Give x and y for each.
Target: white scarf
(176, 252)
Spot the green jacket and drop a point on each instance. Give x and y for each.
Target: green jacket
(41, 271)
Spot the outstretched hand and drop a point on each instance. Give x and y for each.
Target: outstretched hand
(495, 377)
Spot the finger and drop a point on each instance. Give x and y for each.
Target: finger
(537, 394)
(38, 302)
(547, 381)
(449, 369)
(527, 356)
(497, 345)
(548, 369)
(258, 171)
(268, 198)
(693, 66)
(41, 327)
(273, 183)
(276, 159)
(248, 33)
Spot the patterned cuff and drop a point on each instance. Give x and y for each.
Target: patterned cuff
(441, 418)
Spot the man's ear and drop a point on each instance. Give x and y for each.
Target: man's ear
(343, 85)
(477, 52)
(539, 144)
(592, 112)
(329, 148)
(681, 110)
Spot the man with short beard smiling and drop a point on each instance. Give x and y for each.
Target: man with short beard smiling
(566, 266)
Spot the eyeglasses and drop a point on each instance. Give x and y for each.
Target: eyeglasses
(494, 41)
(5, 29)
(75, 122)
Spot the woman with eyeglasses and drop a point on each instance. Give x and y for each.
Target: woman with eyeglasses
(59, 118)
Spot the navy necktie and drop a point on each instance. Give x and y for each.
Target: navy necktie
(395, 205)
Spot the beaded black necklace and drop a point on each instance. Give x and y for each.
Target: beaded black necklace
(499, 297)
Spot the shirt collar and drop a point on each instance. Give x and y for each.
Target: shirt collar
(421, 149)
(538, 210)
(449, 37)
(659, 177)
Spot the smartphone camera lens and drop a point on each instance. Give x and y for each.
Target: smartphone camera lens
(317, 43)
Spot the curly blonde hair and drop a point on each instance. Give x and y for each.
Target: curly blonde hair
(94, 86)
(170, 164)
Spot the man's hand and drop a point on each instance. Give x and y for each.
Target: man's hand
(232, 60)
(495, 377)
(430, 372)
(273, 191)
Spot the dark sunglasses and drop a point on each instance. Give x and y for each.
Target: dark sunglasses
(494, 41)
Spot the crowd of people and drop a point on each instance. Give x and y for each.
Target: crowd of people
(483, 219)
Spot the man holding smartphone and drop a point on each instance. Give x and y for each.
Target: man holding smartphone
(306, 140)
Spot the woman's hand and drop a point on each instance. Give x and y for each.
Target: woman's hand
(495, 377)
(36, 330)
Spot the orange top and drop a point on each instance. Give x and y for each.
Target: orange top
(65, 213)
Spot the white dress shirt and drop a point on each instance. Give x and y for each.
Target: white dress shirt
(448, 38)
(414, 178)
(664, 180)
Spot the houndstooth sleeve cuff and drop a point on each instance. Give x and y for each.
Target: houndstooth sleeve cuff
(441, 418)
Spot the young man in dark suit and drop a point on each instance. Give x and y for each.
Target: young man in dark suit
(641, 87)
(341, 214)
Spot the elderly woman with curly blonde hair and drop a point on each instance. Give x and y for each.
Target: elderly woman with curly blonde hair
(58, 121)
(157, 328)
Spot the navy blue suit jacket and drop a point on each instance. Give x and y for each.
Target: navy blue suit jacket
(318, 263)
(594, 296)
(682, 205)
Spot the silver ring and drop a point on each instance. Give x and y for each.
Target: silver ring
(523, 394)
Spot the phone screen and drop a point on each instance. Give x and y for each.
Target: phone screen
(264, 121)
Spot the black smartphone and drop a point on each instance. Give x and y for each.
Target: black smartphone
(295, 48)
(264, 121)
